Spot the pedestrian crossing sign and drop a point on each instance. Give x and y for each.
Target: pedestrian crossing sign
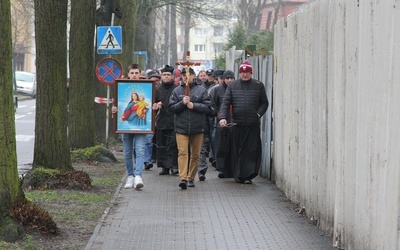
(109, 40)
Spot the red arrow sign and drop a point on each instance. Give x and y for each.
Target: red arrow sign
(103, 100)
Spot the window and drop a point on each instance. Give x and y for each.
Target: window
(200, 32)
(233, 16)
(199, 16)
(219, 13)
(218, 31)
(199, 47)
(269, 20)
(217, 47)
(181, 47)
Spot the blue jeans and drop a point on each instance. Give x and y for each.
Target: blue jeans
(134, 147)
(149, 148)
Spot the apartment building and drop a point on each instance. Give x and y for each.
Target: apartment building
(207, 37)
(23, 35)
(277, 10)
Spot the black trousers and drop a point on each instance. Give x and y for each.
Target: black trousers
(243, 156)
(167, 151)
(221, 142)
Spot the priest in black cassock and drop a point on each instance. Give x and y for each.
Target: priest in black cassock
(247, 101)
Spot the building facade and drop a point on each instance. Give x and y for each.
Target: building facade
(23, 38)
(207, 38)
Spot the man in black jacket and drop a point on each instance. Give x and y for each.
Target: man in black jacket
(248, 100)
(190, 121)
(167, 151)
(221, 133)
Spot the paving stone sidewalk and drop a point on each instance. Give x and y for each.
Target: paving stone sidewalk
(216, 214)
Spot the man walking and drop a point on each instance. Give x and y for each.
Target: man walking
(190, 121)
(221, 133)
(249, 102)
(134, 144)
(167, 151)
(205, 147)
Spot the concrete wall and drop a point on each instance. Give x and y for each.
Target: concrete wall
(336, 116)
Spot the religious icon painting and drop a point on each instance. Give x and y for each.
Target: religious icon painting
(134, 99)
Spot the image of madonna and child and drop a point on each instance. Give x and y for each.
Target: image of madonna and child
(136, 110)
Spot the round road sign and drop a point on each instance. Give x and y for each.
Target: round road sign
(108, 69)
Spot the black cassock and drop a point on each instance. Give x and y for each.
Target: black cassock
(243, 154)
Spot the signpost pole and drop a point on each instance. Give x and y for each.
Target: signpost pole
(108, 95)
(108, 69)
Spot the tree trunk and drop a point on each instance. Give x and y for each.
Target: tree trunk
(100, 90)
(51, 142)
(81, 128)
(187, 32)
(128, 23)
(145, 32)
(167, 36)
(10, 190)
(174, 43)
(277, 10)
(170, 46)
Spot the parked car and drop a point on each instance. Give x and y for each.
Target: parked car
(26, 83)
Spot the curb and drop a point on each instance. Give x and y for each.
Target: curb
(104, 216)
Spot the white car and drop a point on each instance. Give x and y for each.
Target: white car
(26, 82)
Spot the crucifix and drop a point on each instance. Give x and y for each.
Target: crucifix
(187, 65)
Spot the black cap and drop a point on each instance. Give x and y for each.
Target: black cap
(153, 73)
(190, 70)
(167, 68)
(229, 74)
(218, 72)
(209, 72)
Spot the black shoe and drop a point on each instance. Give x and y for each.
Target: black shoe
(210, 159)
(164, 171)
(239, 180)
(183, 184)
(202, 177)
(148, 165)
(221, 174)
(174, 171)
(190, 184)
(214, 164)
(247, 182)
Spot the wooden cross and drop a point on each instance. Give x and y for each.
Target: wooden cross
(187, 65)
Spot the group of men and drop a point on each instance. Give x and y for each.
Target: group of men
(216, 116)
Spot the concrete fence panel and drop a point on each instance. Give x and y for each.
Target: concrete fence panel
(336, 145)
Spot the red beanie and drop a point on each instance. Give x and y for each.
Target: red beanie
(245, 67)
(177, 72)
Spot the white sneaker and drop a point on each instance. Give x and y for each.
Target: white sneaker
(129, 181)
(138, 182)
